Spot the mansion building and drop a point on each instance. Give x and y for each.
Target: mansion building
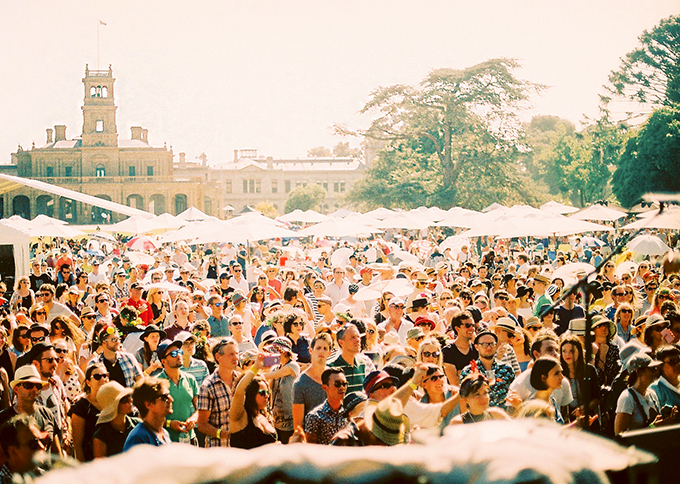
(134, 173)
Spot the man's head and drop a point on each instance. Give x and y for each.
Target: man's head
(152, 396)
(47, 293)
(395, 308)
(65, 270)
(338, 274)
(136, 291)
(170, 353)
(486, 343)
(545, 344)
(225, 352)
(20, 439)
(45, 359)
(464, 325)
(109, 338)
(27, 384)
(379, 384)
(349, 339)
(334, 383)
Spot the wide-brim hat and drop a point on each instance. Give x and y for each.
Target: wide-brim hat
(421, 320)
(600, 320)
(506, 324)
(541, 278)
(577, 326)
(387, 421)
(27, 374)
(109, 396)
(150, 329)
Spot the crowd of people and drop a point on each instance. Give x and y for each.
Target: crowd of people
(226, 346)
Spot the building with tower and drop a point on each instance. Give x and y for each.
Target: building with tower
(131, 171)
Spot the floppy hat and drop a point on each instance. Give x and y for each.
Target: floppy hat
(600, 320)
(387, 421)
(541, 278)
(578, 326)
(376, 377)
(109, 396)
(237, 298)
(414, 333)
(27, 374)
(282, 344)
(420, 320)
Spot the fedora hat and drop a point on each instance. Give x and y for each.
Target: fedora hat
(505, 323)
(387, 421)
(109, 396)
(27, 373)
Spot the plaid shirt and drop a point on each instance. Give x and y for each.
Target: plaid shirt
(128, 364)
(498, 389)
(215, 397)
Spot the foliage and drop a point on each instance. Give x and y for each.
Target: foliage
(305, 198)
(319, 152)
(267, 209)
(444, 139)
(651, 160)
(650, 74)
(341, 150)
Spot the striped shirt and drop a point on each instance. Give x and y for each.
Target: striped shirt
(356, 373)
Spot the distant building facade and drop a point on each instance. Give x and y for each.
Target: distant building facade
(134, 173)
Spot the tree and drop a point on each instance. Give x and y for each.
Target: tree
(305, 198)
(650, 74)
(319, 152)
(651, 160)
(447, 134)
(343, 150)
(267, 209)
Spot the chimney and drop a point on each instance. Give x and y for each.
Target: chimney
(49, 135)
(145, 135)
(182, 158)
(59, 132)
(235, 156)
(270, 162)
(136, 132)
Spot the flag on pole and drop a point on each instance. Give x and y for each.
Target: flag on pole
(102, 23)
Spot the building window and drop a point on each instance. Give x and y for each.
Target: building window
(68, 171)
(339, 186)
(252, 186)
(100, 171)
(325, 185)
(105, 91)
(49, 171)
(149, 171)
(227, 186)
(287, 186)
(132, 171)
(99, 128)
(298, 184)
(275, 186)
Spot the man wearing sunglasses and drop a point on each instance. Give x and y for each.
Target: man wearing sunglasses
(38, 277)
(54, 308)
(20, 440)
(26, 386)
(461, 352)
(237, 281)
(122, 366)
(219, 325)
(152, 398)
(184, 391)
(396, 321)
(324, 421)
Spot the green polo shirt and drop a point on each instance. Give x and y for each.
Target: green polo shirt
(183, 395)
(355, 374)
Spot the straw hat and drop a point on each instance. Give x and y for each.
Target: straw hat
(27, 373)
(109, 396)
(387, 421)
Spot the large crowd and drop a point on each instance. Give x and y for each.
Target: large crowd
(224, 345)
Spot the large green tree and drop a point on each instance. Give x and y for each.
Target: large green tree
(305, 198)
(651, 160)
(650, 74)
(446, 138)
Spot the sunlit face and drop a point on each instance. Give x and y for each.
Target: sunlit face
(554, 378)
(153, 339)
(435, 382)
(352, 340)
(430, 354)
(479, 401)
(263, 395)
(320, 352)
(569, 353)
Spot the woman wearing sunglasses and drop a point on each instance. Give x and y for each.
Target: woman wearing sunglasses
(624, 321)
(62, 329)
(23, 295)
(437, 390)
(68, 372)
(85, 411)
(251, 423)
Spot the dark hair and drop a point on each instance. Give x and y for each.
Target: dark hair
(290, 319)
(15, 337)
(95, 343)
(64, 324)
(290, 293)
(543, 335)
(88, 375)
(325, 337)
(60, 290)
(10, 430)
(47, 288)
(472, 383)
(665, 351)
(146, 390)
(326, 375)
(458, 319)
(541, 368)
(580, 371)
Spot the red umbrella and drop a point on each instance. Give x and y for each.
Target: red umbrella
(141, 242)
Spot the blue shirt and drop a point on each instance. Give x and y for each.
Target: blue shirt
(142, 434)
(219, 328)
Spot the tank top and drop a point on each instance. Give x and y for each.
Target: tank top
(251, 436)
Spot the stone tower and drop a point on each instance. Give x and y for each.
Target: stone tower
(99, 110)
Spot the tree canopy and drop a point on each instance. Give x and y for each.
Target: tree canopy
(305, 198)
(650, 74)
(651, 160)
(446, 138)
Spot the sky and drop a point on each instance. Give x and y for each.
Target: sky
(215, 76)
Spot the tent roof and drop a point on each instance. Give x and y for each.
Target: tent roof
(9, 183)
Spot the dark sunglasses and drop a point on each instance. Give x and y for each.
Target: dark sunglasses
(50, 359)
(164, 396)
(340, 384)
(61, 351)
(41, 313)
(38, 339)
(264, 393)
(431, 354)
(100, 376)
(89, 316)
(627, 311)
(383, 386)
(236, 323)
(30, 386)
(436, 377)
(175, 353)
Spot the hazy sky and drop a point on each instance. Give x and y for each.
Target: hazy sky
(214, 76)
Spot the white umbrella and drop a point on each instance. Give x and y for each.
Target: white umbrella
(142, 242)
(404, 256)
(572, 272)
(398, 287)
(168, 222)
(140, 258)
(557, 208)
(168, 286)
(380, 213)
(648, 245)
(192, 214)
(341, 256)
(337, 228)
(45, 220)
(308, 216)
(625, 266)
(63, 231)
(598, 212)
(404, 221)
(131, 226)
(459, 217)
(590, 241)
(669, 220)
(244, 230)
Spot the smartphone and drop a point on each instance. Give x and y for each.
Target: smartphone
(668, 335)
(271, 360)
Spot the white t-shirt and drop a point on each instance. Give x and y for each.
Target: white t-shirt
(522, 385)
(626, 404)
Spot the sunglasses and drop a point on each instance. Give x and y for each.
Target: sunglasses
(41, 313)
(101, 301)
(38, 339)
(419, 338)
(431, 354)
(296, 324)
(502, 298)
(487, 345)
(61, 351)
(23, 335)
(651, 288)
(436, 377)
(237, 323)
(468, 325)
(627, 311)
(114, 340)
(89, 316)
(370, 331)
(31, 386)
(382, 386)
(175, 353)
(465, 296)
(263, 393)
(217, 305)
(164, 396)
(340, 384)
(50, 360)
(100, 376)
(533, 328)
(398, 306)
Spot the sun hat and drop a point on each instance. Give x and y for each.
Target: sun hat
(640, 361)
(387, 421)
(577, 326)
(109, 396)
(506, 324)
(184, 336)
(150, 329)
(237, 298)
(541, 278)
(599, 320)
(27, 374)
(485, 333)
(376, 377)
(351, 401)
(420, 320)
(532, 321)
(414, 333)
(552, 290)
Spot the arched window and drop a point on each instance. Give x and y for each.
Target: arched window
(105, 91)
(21, 206)
(67, 209)
(135, 201)
(44, 205)
(100, 215)
(180, 203)
(99, 127)
(93, 91)
(157, 204)
(100, 171)
(207, 205)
